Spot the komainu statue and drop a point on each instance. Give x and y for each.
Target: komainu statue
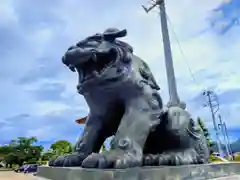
(123, 99)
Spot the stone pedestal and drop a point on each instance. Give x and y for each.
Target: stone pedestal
(191, 172)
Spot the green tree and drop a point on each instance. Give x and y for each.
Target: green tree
(48, 155)
(11, 159)
(205, 132)
(4, 150)
(24, 149)
(103, 148)
(62, 147)
(33, 153)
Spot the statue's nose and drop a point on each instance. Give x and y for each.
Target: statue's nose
(75, 56)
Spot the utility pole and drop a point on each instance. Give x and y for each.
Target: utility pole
(214, 107)
(228, 142)
(230, 148)
(172, 87)
(224, 135)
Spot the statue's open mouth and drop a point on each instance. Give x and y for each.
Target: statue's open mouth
(96, 65)
(92, 64)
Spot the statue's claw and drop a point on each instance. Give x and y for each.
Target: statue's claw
(75, 159)
(57, 162)
(150, 160)
(158, 160)
(118, 159)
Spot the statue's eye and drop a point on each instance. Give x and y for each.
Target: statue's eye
(92, 43)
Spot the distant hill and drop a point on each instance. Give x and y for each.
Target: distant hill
(234, 145)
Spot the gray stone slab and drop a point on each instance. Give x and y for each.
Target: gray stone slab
(236, 177)
(191, 172)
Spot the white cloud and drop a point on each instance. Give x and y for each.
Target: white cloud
(7, 13)
(41, 132)
(47, 107)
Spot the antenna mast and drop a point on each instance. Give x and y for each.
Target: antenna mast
(172, 87)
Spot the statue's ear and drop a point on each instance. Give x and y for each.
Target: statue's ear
(121, 33)
(114, 34)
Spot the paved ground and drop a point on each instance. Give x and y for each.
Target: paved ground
(9, 175)
(237, 177)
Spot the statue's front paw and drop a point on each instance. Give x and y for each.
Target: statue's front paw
(74, 159)
(118, 159)
(159, 159)
(57, 162)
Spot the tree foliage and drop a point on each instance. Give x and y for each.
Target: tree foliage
(11, 159)
(4, 150)
(205, 132)
(25, 150)
(20, 150)
(62, 147)
(103, 148)
(48, 155)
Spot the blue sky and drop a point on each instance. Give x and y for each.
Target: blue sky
(38, 94)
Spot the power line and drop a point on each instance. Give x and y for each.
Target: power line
(181, 50)
(178, 43)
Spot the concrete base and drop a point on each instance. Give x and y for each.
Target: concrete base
(191, 172)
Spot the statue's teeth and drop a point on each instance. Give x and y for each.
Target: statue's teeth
(71, 67)
(81, 75)
(94, 57)
(95, 73)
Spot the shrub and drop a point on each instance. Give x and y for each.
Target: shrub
(214, 159)
(237, 158)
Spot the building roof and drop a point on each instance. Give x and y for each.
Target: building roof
(81, 120)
